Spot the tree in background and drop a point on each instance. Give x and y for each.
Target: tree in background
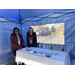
(53, 28)
(47, 28)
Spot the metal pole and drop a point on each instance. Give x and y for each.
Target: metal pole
(20, 21)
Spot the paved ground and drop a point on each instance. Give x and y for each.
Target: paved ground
(51, 39)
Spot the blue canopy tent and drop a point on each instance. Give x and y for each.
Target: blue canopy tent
(24, 18)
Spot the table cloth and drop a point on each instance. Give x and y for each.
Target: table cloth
(37, 56)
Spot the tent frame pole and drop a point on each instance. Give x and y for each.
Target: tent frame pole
(21, 26)
(20, 21)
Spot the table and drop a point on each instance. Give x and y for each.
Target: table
(28, 58)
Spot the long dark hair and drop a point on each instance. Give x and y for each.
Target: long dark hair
(14, 31)
(32, 33)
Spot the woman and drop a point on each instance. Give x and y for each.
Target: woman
(31, 38)
(16, 40)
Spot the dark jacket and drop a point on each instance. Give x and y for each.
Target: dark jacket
(34, 40)
(14, 42)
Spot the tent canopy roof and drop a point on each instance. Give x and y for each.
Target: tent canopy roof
(28, 13)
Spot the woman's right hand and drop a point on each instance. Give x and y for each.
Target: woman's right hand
(19, 48)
